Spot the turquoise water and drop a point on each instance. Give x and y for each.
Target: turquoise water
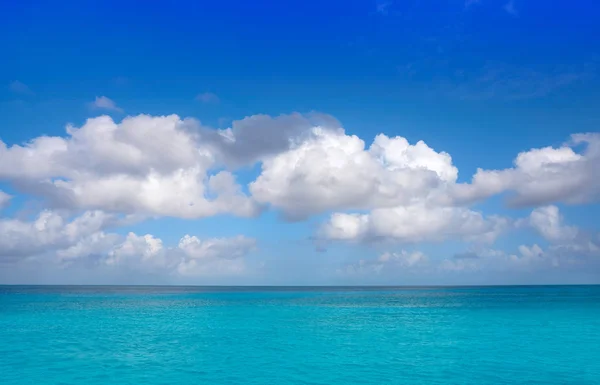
(159, 335)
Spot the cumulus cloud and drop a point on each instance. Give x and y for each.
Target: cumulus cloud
(542, 176)
(332, 170)
(148, 165)
(389, 190)
(50, 230)
(57, 238)
(260, 137)
(568, 247)
(147, 254)
(415, 223)
(104, 103)
(565, 241)
(548, 222)
(168, 166)
(569, 252)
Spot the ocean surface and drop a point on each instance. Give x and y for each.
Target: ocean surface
(202, 335)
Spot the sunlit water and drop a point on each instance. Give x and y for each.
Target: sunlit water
(158, 335)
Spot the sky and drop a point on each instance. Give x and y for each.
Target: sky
(411, 142)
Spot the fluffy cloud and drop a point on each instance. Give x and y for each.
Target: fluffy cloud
(547, 221)
(54, 237)
(147, 165)
(258, 137)
(570, 251)
(50, 230)
(146, 254)
(543, 176)
(390, 189)
(416, 223)
(568, 247)
(166, 166)
(332, 170)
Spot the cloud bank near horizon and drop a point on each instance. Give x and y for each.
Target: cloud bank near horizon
(97, 180)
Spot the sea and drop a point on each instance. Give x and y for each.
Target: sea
(299, 335)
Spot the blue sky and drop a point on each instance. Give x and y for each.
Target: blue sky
(479, 80)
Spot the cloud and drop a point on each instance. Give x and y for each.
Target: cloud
(104, 103)
(147, 255)
(571, 255)
(223, 255)
(75, 242)
(414, 224)
(168, 166)
(258, 137)
(565, 241)
(569, 248)
(4, 199)
(20, 88)
(510, 8)
(547, 221)
(390, 191)
(51, 230)
(144, 165)
(543, 176)
(207, 97)
(330, 170)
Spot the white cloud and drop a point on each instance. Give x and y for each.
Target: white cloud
(331, 170)
(49, 231)
(547, 221)
(146, 254)
(167, 166)
(260, 137)
(543, 176)
(147, 165)
(96, 244)
(390, 190)
(20, 88)
(214, 256)
(565, 241)
(569, 248)
(230, 248)
(207, 97)
(413, 224)
(104, 103)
